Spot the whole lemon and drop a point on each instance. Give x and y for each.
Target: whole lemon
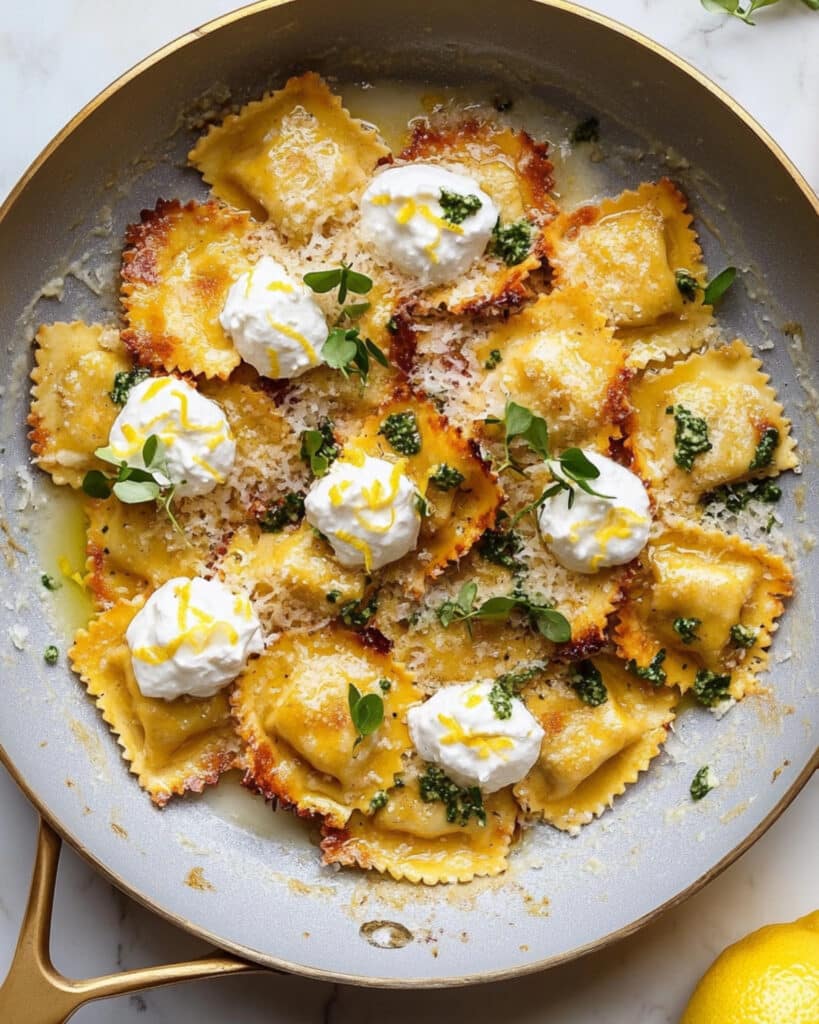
(769, 977)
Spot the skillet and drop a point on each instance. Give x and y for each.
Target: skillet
(263, 894)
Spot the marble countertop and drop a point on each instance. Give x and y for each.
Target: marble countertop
(54, 56)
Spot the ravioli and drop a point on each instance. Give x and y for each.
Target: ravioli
(561, 360)
(291, 708)
(72, 410)
(516, 172)
(727, 389)
(456, 517)
(171, 746)
(627, 251)
(590, 754)
(718, 582)
(177, 267)
(295, 156)
(410, 839)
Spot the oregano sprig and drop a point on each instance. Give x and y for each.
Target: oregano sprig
(366, 711)
(544, 618)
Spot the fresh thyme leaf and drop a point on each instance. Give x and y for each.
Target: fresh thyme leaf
(367, 712)
(511, 243)
(702, 783)
(587, 130)
(459, 803)
(719, 285)
(743, 636)
(587, 682)
(287, 511)
(690, 436)
(95, 484)
(768, 443)
(124, 380)
(687, 285)
(710, 689)
(687, 629)
(49, 582)
(446, 477)
(401, 431)
(356, 614)
(51, 655)
(493, 359)
(318, 447)
(653, 672)
(457, 207)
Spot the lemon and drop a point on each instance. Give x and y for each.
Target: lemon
(769, 977)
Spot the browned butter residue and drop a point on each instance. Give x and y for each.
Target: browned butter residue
(195, 878)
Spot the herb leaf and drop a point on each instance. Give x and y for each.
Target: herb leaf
(587, 682)
(690, 436)
(318, 447)
(711, 689)
(520, 422)
(687, 629)
(96, 485)
(719, 285)
(367, 712)
(511, 243)
(550, 623)
(344, 278)
(347, 351)
(460, 803)
(457, 207)
(768, 443)
(687, 285)
(653, 672)
(703, 782)
(401, 431)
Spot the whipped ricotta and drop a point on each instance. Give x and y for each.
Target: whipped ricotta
(367, 508)
(191, 638)
(274, 321)
(459, 730)
(598, 532)
(403, 221)
(199, 449)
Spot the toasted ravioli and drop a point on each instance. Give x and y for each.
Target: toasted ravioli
(291, 706)
(716, 580)
(516, 172)
(292, 576)
(590, 754)
(177, 267)
(627, 251)
(133, 549)
(727, 389)
(171, 746)
(295, 156)
(456, 517)
(71, 409)
(561, 360)
(411, 839)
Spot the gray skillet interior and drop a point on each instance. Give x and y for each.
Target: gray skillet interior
(269, 898)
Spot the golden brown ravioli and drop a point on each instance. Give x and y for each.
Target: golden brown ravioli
(71, 409)
(295, 156)
(714, 581)
(177, 267)
(727, 389)
(291, 706)
(171, 746)
(590, 754)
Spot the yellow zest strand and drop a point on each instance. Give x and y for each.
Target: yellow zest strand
(360, 545)
(484, 743)
(294, 335)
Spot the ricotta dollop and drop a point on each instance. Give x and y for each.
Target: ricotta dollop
(598, 532)
(191, 638)
(198, 447)
(368, 510)
(403, 221)
(274, 321)
(459, 729)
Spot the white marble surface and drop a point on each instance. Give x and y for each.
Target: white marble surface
(54, 56)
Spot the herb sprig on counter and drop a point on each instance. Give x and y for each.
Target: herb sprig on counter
(743, 11)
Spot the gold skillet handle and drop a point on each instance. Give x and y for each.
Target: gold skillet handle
(34, 992)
